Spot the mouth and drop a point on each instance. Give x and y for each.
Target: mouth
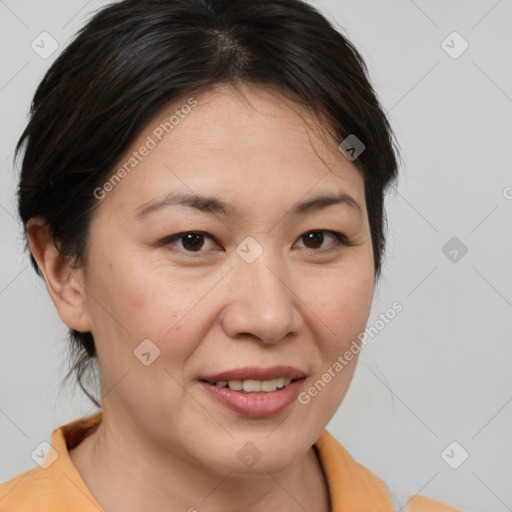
(255, 392)
(254, 386)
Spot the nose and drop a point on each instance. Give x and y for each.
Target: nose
(262, 302)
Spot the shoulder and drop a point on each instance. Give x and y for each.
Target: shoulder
(418, 503)
(56, 488)
(352, 486)
(355, 487)
(55, 484)
(23, 492)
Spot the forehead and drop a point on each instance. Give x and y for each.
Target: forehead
(250, 146)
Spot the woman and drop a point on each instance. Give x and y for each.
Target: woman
(202, 190)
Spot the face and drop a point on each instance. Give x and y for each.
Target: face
(255, 280)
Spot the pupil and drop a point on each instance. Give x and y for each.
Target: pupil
(316, 237)
(192, 241)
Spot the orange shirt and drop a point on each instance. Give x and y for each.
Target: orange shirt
(56, 486)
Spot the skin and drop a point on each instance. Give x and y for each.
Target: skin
(297, 304)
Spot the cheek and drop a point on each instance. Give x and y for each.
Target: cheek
(344, 304)
(143, 303)
(121, 303)
(343, 313)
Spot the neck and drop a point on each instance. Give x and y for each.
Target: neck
(148, 476)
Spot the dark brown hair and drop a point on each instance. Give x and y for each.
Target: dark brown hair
(134, 57)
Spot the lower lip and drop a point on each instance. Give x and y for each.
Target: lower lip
(256, 405)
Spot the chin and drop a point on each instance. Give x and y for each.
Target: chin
(259, 455)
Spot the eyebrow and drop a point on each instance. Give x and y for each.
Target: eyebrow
(213, 205)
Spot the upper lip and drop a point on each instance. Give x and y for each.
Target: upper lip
(254, 373)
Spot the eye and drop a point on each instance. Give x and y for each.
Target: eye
(195, 241)
(191, 241)
(314, 240)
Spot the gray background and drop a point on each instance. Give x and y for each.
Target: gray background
(440, 371)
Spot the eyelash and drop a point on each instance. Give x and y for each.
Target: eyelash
(341, 241)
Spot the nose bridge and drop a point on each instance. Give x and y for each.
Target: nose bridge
(263, 303)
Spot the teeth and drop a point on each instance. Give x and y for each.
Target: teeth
(269, 385)
(235, 385)
(252, 386)
(255, 386)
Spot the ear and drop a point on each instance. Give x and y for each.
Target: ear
(65, 284)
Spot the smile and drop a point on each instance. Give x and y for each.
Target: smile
(254, 386)
(255, 392)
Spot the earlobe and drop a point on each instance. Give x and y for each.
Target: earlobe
(63, 282)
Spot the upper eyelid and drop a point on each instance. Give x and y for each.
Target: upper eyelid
(339, 237)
